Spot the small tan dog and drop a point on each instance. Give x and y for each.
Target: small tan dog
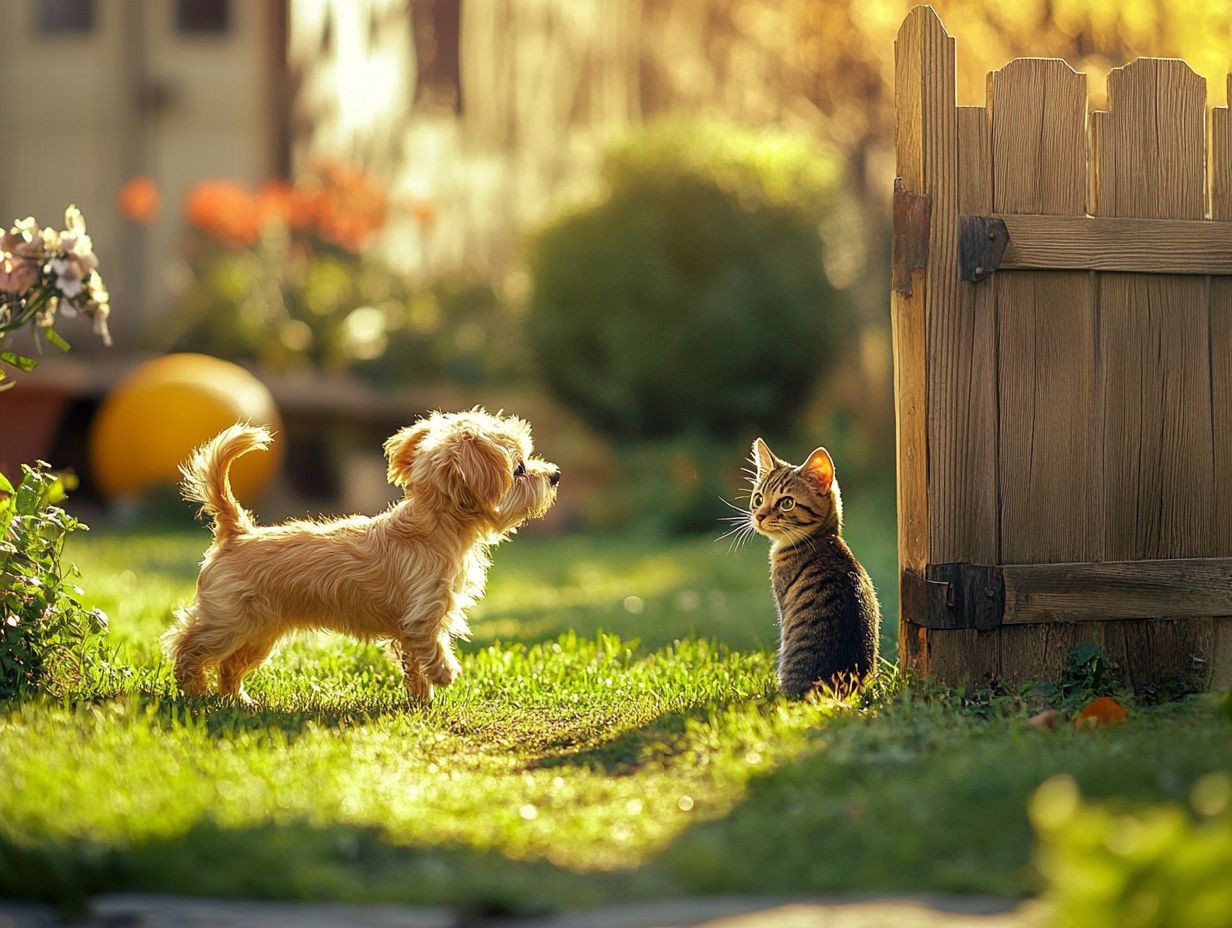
(407, 575)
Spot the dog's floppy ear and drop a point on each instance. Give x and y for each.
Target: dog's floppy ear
(400, 451)
(481, 472)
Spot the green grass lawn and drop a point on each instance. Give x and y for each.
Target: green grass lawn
(614, 734)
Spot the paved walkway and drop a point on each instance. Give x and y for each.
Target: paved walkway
(932, 911)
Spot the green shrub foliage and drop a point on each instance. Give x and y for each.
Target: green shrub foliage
(691, 297)
(1158, 866)
(47, 638)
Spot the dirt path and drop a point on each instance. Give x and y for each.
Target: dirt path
(931, 911)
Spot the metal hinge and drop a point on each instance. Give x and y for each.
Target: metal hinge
(954, 596)
(912, 215)
(981, 246)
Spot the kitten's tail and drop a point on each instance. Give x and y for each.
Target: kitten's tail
(206, 477)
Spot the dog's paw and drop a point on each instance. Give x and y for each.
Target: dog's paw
(420, 697)
(444, 670)
(418, 691)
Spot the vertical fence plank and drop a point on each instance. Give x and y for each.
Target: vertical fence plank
(1046, 334)
(962, 388)
(1220, 173)
(1046, 323)
(925, 130)
(1154, 365)
(962, 422)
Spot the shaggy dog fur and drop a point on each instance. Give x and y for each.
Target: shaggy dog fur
(406, 575)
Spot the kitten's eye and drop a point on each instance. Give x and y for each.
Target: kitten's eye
(787, 503)
(758, 499)
(520, 470)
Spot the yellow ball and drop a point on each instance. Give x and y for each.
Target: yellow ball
(156, 414)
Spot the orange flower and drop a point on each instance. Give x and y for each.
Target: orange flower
(225, 211)
(140, 200)
(275, 202)
(349, 209)
(1102, 711)
(424, 212)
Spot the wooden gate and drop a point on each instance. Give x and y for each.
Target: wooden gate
(1062, 313)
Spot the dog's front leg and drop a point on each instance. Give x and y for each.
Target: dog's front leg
(442, 667)
(418, 689)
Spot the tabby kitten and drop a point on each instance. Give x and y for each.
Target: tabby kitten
(828, 610)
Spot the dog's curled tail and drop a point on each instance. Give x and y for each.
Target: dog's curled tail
(206, 477)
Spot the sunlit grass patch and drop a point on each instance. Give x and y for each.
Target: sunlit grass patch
(614, 734)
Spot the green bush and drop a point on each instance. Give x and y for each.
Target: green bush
(692, 296)
(1153, 867)
(47, 638)
(669, 486)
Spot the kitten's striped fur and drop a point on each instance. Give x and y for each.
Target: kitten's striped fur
(828, 610)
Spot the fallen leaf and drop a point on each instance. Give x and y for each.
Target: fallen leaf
(1102, 711)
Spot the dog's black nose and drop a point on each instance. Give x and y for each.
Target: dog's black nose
(554, 477)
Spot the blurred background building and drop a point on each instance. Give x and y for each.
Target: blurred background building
(463, 126)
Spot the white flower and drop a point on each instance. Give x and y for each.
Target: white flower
(69, 278)
(80, 248)
(46, 316)
(98, 289)
(74, 222)
(101, 312)
(51, 241)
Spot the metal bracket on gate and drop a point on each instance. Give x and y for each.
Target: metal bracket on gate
(954, 596)
(981, 246)
(913, 213)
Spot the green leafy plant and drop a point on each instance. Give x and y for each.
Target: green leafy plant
(1159, 866)
(692, 297)
(48, 640)
(1088, 675)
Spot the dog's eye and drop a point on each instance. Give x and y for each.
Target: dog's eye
(757, 499)
(787, 503)
(520, 470)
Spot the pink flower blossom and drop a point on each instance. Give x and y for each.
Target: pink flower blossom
(16, 274)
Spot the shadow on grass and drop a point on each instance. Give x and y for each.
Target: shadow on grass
(911, 798)
(223, 717)
(291, 861)
(627, 752)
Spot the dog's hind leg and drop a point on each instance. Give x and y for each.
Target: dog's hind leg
(187, 646)
(233, 669)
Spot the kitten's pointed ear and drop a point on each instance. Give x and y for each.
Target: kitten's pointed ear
(763, 457)
(820, 469)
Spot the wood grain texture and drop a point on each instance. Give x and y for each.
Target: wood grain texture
(1156, 412)
(1170, 654)
(1155, 416)
(1149, 246)
(1046, 324)
(1219, 172)
(1039, 652)
(963, 655)
(1117, 590)
(925, 140)
(962, 385)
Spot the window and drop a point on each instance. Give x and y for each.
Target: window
(437, 26)
(195, 17)
(65, 17)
